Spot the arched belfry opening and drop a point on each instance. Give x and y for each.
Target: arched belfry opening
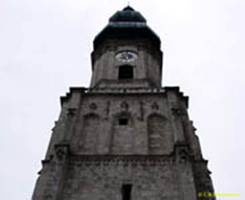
(125, 72)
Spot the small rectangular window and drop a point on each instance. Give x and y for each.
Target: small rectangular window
(123, 121)
(126, 191)
(125, 72)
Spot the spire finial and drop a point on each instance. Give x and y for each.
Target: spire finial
(128, 3)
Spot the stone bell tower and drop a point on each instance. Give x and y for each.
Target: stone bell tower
(125, 137)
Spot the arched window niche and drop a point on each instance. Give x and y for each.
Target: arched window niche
(90, 131)
(159, 134)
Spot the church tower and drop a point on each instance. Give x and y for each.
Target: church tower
(125, 137)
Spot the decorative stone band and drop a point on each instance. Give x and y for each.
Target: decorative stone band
(180, 155)
(114, 91)
(117, 160)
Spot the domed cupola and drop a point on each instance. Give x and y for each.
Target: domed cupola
(127, 24)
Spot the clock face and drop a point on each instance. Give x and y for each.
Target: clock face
(126, 56)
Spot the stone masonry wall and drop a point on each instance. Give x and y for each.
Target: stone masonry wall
(150, 178)
(150, 129)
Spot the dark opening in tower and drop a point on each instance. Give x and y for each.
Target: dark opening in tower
(125, 72)
(123, 121)
(126, 191)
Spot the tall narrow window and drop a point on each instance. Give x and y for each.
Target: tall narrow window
(125, 72)
(126, 191)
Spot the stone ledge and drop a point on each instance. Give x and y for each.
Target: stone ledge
(120, 160)
(123, 91)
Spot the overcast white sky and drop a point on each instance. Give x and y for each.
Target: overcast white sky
(45, 48)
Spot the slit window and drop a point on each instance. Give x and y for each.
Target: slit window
(125, 72)
(123, 121)
(126, 191)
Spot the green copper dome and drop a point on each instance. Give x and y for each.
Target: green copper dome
(127, 24)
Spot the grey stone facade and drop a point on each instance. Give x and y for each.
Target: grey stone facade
(124, 139)
(106, 66)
